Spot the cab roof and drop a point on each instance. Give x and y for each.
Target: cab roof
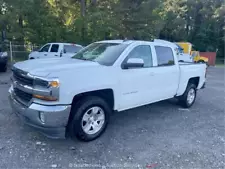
(156, 42)
(64, 43)
(116, 41)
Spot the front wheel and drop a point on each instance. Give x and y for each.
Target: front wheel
(90, 118)
(189, 96)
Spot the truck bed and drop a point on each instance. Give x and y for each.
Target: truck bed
(190, 70)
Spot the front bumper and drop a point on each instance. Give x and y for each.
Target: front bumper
(55, 117)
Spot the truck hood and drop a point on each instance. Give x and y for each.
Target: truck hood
(44, 67)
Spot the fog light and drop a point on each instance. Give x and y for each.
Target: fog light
(42, 117)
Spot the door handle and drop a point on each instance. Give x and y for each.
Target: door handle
(56, 55)
(45, 54)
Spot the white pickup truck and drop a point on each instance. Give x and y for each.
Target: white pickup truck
(55, 50)
(76, 96)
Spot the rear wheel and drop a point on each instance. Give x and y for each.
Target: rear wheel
(90, 118)
(201, 61)
(189, 96)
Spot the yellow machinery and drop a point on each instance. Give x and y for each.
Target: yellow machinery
(187, 48)
(197, 58)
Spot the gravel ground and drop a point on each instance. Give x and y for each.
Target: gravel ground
(160, 135)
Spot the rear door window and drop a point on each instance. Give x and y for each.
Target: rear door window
(164, 55)
(54, 48)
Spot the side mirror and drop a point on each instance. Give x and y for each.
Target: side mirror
(134, 63)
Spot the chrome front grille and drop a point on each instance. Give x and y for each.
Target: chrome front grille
(22, 77)
(25, 97)
(24, 86)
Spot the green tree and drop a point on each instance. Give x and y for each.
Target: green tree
(200, 22)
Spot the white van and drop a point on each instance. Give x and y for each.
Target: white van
(52, 50)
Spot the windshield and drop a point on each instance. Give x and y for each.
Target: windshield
(194, 54)
(103, 53)
(180, 49)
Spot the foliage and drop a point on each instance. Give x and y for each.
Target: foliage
(200, 22)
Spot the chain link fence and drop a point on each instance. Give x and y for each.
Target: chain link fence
(19, 52)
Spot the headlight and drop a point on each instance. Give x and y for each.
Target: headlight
(54, 83)
(50, 85)
(46, 82)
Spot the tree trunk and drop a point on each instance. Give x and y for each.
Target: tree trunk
(21, 39)
(93, 2)
(197, 21)
(187, 24)
(83, 13)
(83, 7)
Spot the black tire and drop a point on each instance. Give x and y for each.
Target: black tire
(3, 67)
(78, 110)
(183, 100)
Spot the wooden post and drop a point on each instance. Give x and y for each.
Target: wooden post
(10, 46)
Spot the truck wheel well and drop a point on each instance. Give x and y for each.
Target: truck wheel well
(106, 94)
(194, 80)
(201, 61)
